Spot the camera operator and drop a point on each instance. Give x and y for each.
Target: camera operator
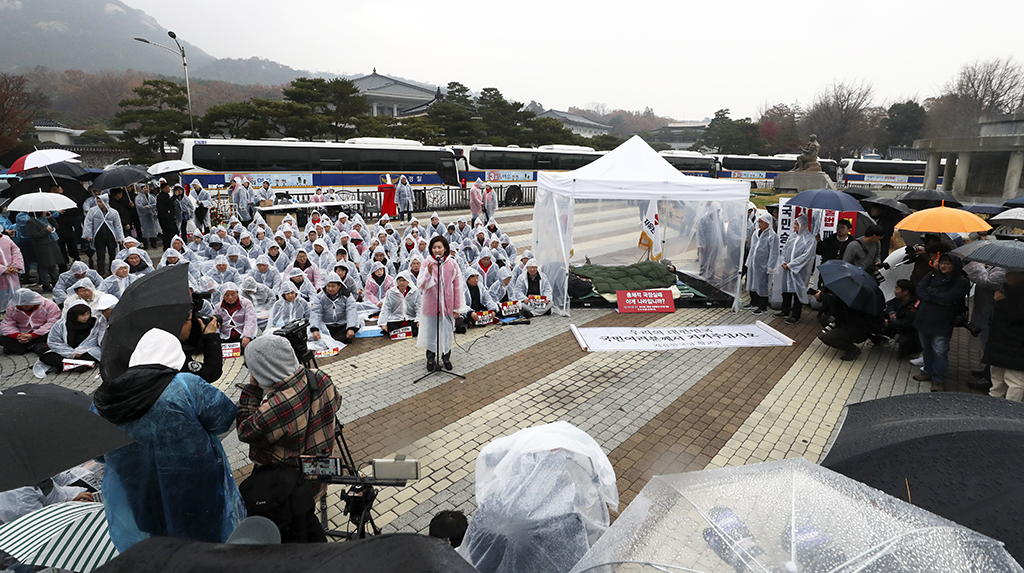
(844, 327)
(866, 252)
(200, 334)
(285, 411)
(924, 256)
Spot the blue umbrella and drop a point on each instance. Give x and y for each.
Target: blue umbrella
(985, 208)
(853, 285)
(826, 199)
(1015, 202)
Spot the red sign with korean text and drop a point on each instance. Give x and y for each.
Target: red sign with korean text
(652, 300)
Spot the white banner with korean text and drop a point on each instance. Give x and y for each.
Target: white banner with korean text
(758, 334)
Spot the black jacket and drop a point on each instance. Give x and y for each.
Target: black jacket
(1005, 347)
(831, 249)
(942, 299)
(165, 211)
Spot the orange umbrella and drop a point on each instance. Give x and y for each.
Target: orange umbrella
(943, 220)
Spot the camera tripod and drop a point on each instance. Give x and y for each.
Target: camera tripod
(359, 497)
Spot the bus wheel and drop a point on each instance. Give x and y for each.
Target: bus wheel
(514, 195)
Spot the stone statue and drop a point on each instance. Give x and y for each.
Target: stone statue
(808, 160)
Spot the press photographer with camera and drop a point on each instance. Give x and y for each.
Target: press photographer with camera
(866, 252)
(201, 334)
(285, 411)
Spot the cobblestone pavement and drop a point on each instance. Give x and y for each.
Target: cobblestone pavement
(652, 412)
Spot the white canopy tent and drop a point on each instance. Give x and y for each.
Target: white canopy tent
(595, 213)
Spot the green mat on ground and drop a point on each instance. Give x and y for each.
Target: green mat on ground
(631, 277)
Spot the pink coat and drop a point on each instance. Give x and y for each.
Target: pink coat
(10, 256)
(38, 322)
(242, 320)
(451, 295)
(374, 293)
(476, 199)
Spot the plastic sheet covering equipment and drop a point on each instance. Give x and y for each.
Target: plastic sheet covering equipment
(789, 515)
(595, 214)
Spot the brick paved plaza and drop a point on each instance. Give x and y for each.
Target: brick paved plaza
(652, 412)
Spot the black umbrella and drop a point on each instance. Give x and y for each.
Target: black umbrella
(1006, 254)
(122, 176)
(859, 193)
(65, 168)
(41, 437)
(927, 198)
(852, 285)
(157, 300)
(396, 552)
(984, 208)
(888, 203)
(960, 455)
(72, 187)
(54, 392)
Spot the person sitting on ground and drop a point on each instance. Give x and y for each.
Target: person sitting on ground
(119, 278)
(137, 266)
(289, 306)
(334, 311)
(19, 502)
(401, 305)
(285, 412)
(1004, 350)
(478, 299)
(85, 292)
(305, 287)
(312, 271)
(238, 260)
(486, 268)
(75, 337)
(866, 252)
(533, 283)
(77, 272)
(262, 299)
(900, 313)
(942, 293)
(129, 242)
(845, 327)
(27, 323)
(503, 291)
(266, 273)
(237, 316)
(341, 268)
(104, 308)
(377, 284)
(222, 272)
(449, 525)
(174, 480)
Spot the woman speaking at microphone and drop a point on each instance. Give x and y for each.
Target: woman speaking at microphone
(441, 284)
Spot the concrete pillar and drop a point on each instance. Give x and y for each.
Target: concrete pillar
(963, 166)
(374, 110)
(947, 172)
(931, 171)
(394, 110)
(1013, 172)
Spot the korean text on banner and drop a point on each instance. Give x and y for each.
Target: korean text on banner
(653, 300)
(650, 236)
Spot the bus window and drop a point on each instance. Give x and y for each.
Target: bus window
(334, 159)
(571, 161)
(419, 161)
(235, 158)
(547, 162)
(520, 161)
(447, 170)
(486, 159)
(379, 160)
(284, 159)
(207, 157)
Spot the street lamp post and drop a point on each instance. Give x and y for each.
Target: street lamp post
(179, 52)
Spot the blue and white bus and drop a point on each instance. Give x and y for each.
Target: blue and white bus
(691, 162)
(761, 170)
(885, 173)
(354, 166)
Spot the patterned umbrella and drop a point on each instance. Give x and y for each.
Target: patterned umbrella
(40, 158)
(71, 535)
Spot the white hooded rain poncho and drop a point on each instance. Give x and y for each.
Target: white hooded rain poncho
(763, 259)
(798, 255)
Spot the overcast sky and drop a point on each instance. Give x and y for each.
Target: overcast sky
(685, 59)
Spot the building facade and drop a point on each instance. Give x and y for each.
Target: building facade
(578, 124)
(388, 96)
(989, 165)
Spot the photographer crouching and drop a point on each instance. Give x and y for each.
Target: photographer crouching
(200, 334)
(285, 411)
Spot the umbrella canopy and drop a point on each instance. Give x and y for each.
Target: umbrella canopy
(789, 515)
(984, 208)
(396, 552)
(1015, 202)
(122, 176)
(72, 187)
(41, 437)
(943, 220)
(853, 285)
(71, 535)
(65, 168)
(40, 158)
(825, 199)
(888, 203)
(927, 198)
(54, 392)
(157, 300)
(1006, 254)
(960, 456)
(1011, 217)
(41, 201)
(170, 166)
(859, 193)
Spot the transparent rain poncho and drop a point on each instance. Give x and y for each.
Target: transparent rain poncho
(743, 519)
(543, 495)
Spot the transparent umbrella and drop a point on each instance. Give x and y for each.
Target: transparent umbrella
(787, 516)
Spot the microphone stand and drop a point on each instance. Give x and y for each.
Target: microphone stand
(437, 331)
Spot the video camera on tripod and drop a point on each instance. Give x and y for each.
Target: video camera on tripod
(362, 492)
(296, 333)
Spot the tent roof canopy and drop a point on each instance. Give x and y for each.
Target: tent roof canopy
(634, 170)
